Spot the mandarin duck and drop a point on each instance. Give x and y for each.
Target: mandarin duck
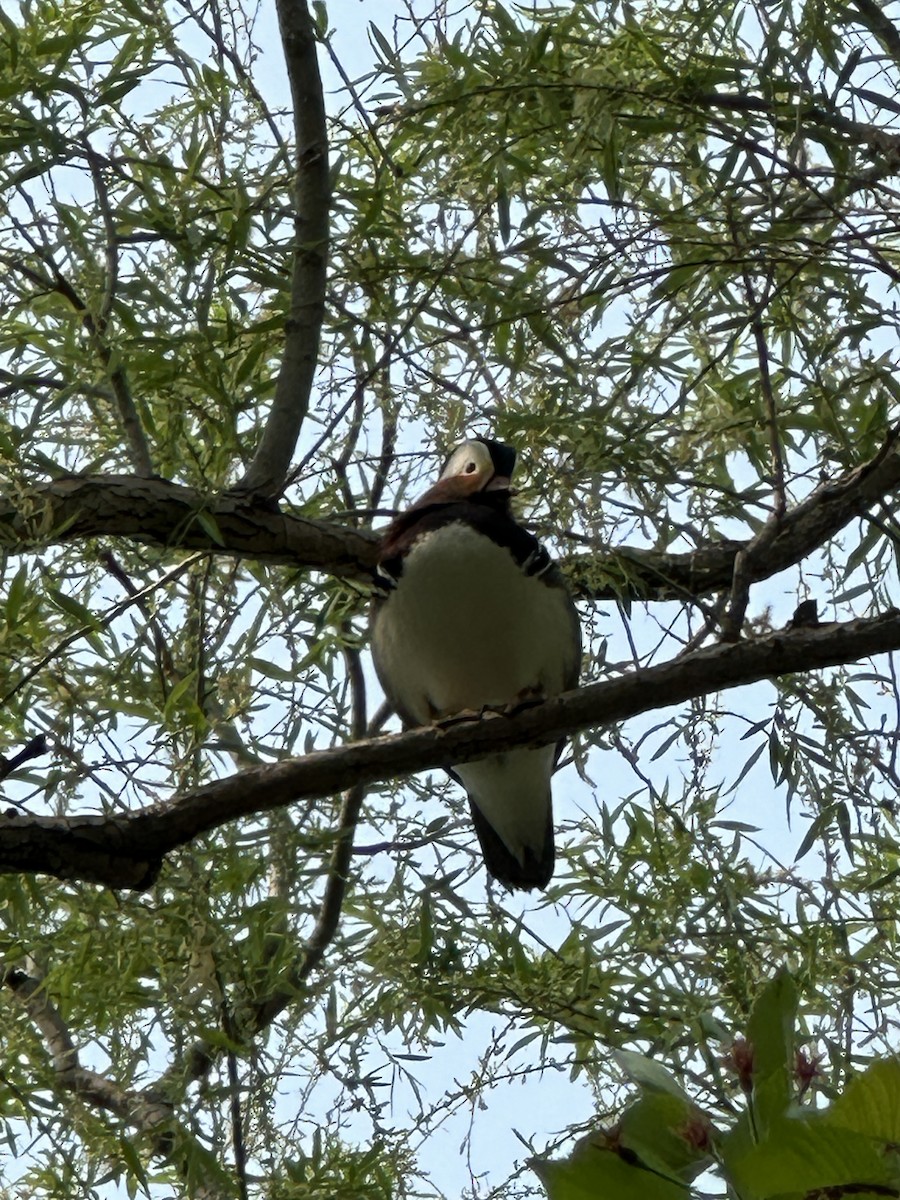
(472, 613)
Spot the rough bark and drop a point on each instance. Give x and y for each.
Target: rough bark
(168, 515)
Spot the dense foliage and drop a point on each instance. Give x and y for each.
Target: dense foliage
(654, 247)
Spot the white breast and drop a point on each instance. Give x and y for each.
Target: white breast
(465, 627)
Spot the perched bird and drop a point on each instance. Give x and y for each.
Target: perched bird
(473, 613)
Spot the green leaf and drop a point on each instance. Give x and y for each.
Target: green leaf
(804, 1155)
(272, 670)
(321, 15)
(669, 1135)
(384, 45)
(816, 829)
(209, 525)
(15, 597)
(74, 608)
(770, 1030)
(503, 213)
(594, 1173)
(749, 765)
(648, 1073)
(870, 1103)
(12, 38)
(181, 689)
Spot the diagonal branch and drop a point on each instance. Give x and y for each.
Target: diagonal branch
(312, 197)
(647, 574)
(96, 1089)
(147, 1113)
(128, 851)
(877, 22)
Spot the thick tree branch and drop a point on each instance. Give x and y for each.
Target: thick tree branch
(166, 514)
(71, 1076)
(312, 198)
(127, 851)
(160, 513)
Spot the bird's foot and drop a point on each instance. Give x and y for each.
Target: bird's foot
(467, 714)
(474, 714)
(529, 697)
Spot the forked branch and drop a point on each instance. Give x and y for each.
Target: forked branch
(143, 1111)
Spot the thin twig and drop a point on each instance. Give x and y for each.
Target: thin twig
(746, 558)
(244, 78)
(165, 665)
(199, 1058)
(112, 248)
(103, 620)
(128, 414)
(338, 871)
(383, 362)
(877, 22)
(361, 110)
(388, 452)
(779, 500)
(712, 621)
(231, 1032)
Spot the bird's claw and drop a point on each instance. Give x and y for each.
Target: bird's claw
(527, 698)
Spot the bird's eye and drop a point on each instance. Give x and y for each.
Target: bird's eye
(471, 468)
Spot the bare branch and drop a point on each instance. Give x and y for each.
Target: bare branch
(646, 574)
(312, 197)
(112, 248)
(127, 851)
(96, 1089)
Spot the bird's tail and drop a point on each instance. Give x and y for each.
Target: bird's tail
(536, 866)
(512, 810)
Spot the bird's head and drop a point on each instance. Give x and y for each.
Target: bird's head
(476, 465)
